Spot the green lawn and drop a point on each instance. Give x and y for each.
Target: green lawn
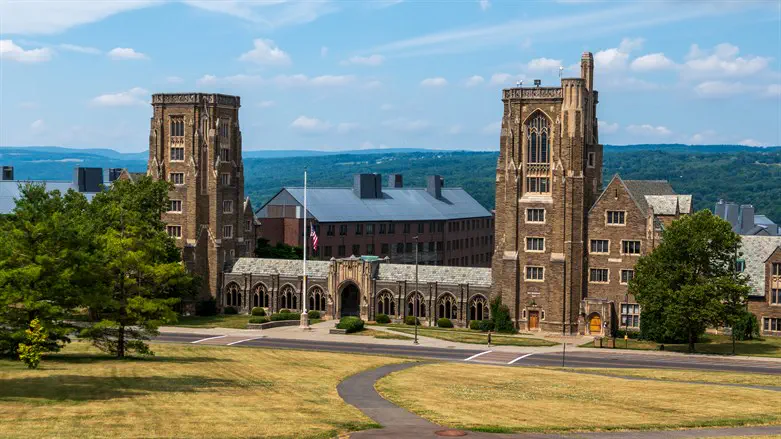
(470, 336)
(235, 321)
(710, 344)
(368, 332)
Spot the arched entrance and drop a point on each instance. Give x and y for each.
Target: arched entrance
(595, 324)
(350, 300)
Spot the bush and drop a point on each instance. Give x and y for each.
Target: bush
(444, 323)
(206, 307)
(313, 314)
(382, 318)
(285, 316)
(259, 320)
(32, 350)
(284, 311)
(230, 310)
(350, 324)
(746, 327)
(258, 311)
(500, 315)
(411, 320)
(481, 325)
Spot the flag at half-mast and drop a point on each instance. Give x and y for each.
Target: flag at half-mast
(313, 235)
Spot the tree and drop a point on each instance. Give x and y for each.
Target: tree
(141, 274)
(689, 283)
(279, 251)
(32, 351)
(500, 315)
(45, 265)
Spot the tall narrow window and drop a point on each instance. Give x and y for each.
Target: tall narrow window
(538, 169)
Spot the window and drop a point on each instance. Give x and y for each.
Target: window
(357, 249)
(382, 229)
(329, 231)
(225, 154)
(406, 227)
(630, 315)
(537, 150)
(448, 245)
(421, 227)
(408, 247)
(340, 250)
(177, 154)
(384, 249)
(627, 275)
(432, 227)
(535, 215)
(391, 228)
(591, 160)
(227, 232)
(370, 229)
(740, 265)
(600, 246)
(775, 296)
(359, 229)
(535, 244)
(771, 324)
(538, 184)
(400, 247)
(615, 218)
(227, 206)
(177, 177)
(431, 246)
(599, 275)
(776, 269)
(224, 128)
(369, 249)
(420, 247)
(248, 227)
(174, 231)
(630, 247)
(176, 206)
(327, 250)
(535, 273)
(225, 179)
(342, 229)
(177, 127)
(440, 227)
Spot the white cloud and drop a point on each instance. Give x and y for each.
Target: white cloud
(722, 61)
(268, 14)
(323, 52)
(607, 127)
(773, 91)
(493, 128)
(371, 60)
(474, 80)
(719, 89)
(174, 80)
(134, 96)
(10, 51)
(332, 80)
(648, 130)
(265, 52)
(505, 79)
(434, 82)
(621, 82)
(407, 126)
(310, 125)
(37, 125)
(80, 49)
(52, 17)
(751, 142)
(616, 58)
(653, 61)
(484, 4)
(346, 127)
(125, 53)
(544, 64)
(266, 104)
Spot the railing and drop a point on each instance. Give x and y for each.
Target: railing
(532, 93)
(533, 169)
(177, 141)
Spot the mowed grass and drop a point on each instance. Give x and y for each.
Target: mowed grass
(692, 376)
(710, 344)
(505, 399)
(474, 337)
(380, 334)
(184, 391)
(235, 321)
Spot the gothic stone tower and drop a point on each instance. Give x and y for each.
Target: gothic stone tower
(548, 175)
(195, 142)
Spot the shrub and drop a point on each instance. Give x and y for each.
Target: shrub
(285, 316)
(230, 310)
(411, 320)
(259, 320)
(206, 307)
(746, 327)
(382, 318)
(444, 323)
(313, 314)
(258, 311)
(350, 324)
(284, 311)
(481, 325)
(474, 324)
(31, 351)
(500, 315)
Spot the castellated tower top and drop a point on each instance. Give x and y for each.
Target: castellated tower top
(556, 93)
(196, 99)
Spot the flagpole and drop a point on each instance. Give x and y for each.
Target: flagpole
(304, 317)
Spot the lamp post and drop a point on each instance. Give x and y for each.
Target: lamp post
(416, 303)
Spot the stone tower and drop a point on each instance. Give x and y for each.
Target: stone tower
(195, 142)
(548, 175)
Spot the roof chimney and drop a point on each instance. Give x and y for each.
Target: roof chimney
(746, 218)
(731, 215)
(88, 179)
(720, 209)
(434, 186)
(8, 173)
(395, 181)
(367, 186)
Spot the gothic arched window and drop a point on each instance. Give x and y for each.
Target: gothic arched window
(538, 129)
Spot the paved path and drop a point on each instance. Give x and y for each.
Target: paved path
(358, 390)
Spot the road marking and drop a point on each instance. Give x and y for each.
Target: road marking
(242, 341)
(210, 338)
(477, 355)
(520, 358)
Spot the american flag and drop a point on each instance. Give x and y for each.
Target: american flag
(313, 235)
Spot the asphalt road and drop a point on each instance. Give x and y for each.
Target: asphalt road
(596, 359)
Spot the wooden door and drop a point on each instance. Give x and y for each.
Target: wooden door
(595, 324)
(534, 320)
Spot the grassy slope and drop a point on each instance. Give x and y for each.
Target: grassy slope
(469, 336)
(712, 344)
(185, 391)
(751, 379)
(502, 399)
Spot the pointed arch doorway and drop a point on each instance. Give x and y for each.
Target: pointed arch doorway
(350, 300)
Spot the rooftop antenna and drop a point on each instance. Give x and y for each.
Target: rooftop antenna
(561, 70)
(519, 83)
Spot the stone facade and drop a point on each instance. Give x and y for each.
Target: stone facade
(760, 258)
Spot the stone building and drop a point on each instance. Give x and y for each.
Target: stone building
(760, 258)
(195, 143)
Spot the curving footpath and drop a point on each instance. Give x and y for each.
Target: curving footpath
(358, 390)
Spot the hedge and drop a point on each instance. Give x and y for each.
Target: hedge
(258, 311)
(285, 316)
(382, 318)
(411, 320)
(284, 311)
(350, 324)
(230, 310)
(481, 325)
(444, 323)
(313, 314)
(259, 320)
(206, 307)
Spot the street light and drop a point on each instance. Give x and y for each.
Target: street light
(416, 307)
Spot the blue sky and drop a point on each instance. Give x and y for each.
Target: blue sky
(351, 75)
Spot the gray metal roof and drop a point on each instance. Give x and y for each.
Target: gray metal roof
(396, 204)
(9, 191)
(638, 189)
(756, 250)
(282, 267)
(669, 204)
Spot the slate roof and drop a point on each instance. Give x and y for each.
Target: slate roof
(479, 277)
(756, 250)
(638, 189)
(669, 204)
(396, 204)
(9, 191)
